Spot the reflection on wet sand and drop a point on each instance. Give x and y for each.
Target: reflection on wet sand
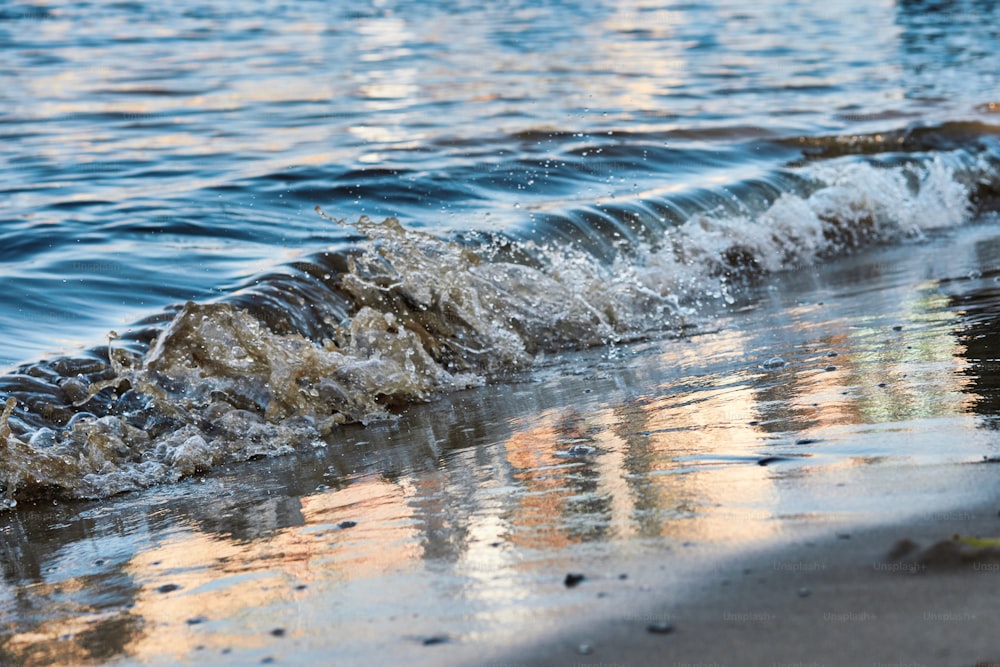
(471, 510)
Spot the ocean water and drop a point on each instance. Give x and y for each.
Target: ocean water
(227, 231)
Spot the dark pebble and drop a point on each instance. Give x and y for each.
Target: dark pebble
(623, 576)
(904, 547)
(753, 423)
(770, 459)
(266, 661)
(898, 327)
(660, 628)
(278, 632)
(495, 544)
(831, 353)
(197, 620)
(883, 385)
(99, 562)
(806, 441)
(572, 579)
(830, 368)
(347, 524)
(301, 587)
(435, 640)
(168, 588)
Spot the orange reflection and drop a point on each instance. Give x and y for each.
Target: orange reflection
(221, 578)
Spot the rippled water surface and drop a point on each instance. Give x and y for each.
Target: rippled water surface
(152, 154)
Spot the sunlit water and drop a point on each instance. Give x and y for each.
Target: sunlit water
(655, 275)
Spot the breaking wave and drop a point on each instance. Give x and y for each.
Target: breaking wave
(402, 316)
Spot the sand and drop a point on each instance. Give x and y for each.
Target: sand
(840, 600)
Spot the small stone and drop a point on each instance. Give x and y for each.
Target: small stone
(902, 548)
(660, 628)
(347, 524)
(768, 460)
(197, 620)
(572, 579)
(774, 363)
(168, 588)
(830, 368)
(435, 640)
(278, 632)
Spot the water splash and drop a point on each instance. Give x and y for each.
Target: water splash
(422, 316)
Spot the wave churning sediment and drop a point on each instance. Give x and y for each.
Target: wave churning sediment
(408, 315)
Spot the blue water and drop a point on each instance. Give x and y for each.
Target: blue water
(155, 153)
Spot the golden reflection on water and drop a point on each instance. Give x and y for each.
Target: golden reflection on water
(230, 579)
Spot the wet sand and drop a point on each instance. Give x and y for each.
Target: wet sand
(696, 484)
(840, 599)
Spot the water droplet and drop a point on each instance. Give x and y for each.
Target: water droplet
(774, 363)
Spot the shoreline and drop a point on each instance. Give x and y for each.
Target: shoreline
(842, 599)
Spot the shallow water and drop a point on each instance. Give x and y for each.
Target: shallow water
(519, 289)
(445, 536)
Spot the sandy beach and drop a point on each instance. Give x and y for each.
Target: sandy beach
(849, 598)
